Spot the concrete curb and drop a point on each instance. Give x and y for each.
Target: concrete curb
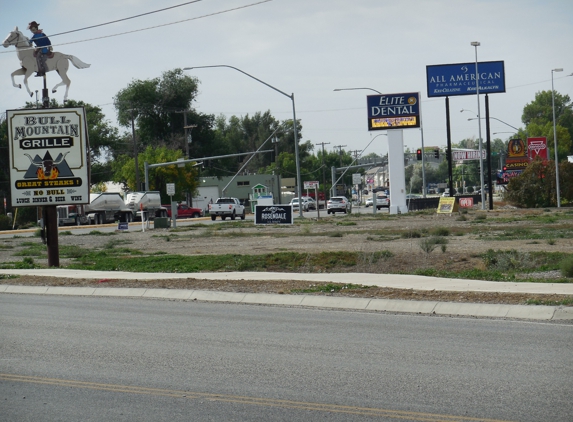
(532, 312)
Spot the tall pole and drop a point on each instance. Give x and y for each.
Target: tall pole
(423, 160)
(323, 173)
(555, 139)
(449, 152)
(294, 123)
(488, 152)
(476, 44)
(50, 212)
(137, 187)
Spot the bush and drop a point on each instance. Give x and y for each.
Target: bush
(567, 267)
(441, 231)
(428, 244)
(5, 222)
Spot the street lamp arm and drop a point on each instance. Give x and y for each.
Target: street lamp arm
(244, 73)
(501, 121)
(352, 89)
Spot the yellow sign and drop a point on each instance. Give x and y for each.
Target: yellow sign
(447, 205)
(394, 122)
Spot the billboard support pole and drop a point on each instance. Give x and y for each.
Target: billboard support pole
(488, 152)
(50, 211)
(449, 152)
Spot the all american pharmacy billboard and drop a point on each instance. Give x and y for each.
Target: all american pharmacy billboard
(446, 80)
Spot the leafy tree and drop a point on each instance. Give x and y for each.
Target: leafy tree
(564, 142)
(156, 107)
(185, 178)
(539, 113)
(536, 186)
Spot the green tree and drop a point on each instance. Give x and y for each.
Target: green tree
(539, 113)
(185, 178)
(564, 143)
(536, 186)
(156, 107)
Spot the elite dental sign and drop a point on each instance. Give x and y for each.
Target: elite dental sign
(48, 157)
(447, 80)
(393, 111)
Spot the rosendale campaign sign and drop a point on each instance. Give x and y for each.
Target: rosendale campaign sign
(447, 80)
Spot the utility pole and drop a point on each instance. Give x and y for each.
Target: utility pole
(275, 142)
(323, 174)
(187, 134)
(134, 151)
(340, 152)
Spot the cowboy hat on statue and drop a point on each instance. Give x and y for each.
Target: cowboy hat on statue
(43, 44)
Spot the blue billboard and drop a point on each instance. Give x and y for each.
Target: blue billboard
(393, 111)
(445, 80)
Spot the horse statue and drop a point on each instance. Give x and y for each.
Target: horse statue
(58, 62)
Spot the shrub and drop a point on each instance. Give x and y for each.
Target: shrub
(441, 231)
(567, 267)
(428, 244)
(5, 222)
(411, 234)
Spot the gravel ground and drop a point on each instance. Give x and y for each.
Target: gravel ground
(467, 238)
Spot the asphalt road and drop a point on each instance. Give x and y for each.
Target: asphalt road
(99, 359)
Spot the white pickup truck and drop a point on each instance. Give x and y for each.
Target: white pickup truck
(227, 207)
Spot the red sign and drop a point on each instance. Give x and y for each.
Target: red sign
(466, 202)
(537, 147)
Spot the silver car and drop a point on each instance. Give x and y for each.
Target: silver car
(338, 204)
(382, 201)
(296, 204)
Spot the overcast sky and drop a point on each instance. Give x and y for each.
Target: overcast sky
(309, 48)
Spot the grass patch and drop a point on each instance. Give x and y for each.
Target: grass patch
(123, 260)
(564, 302)
(98, 233)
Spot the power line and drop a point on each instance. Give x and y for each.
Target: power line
(125, 19)
(154, 27)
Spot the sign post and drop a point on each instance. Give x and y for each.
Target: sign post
(313, 185)
(395, 112)
(49, 164)
(171, 191)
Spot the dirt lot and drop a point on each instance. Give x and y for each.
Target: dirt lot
(398, 236)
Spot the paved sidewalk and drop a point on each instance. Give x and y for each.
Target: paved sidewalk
(381, 280)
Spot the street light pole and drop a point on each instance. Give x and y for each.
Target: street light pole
(555, 138)
(476, 45)
(297, 160)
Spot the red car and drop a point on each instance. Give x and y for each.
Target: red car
(185, 211)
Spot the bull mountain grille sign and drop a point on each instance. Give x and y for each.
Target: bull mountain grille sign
(48, 157)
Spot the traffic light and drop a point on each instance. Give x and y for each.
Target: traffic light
(504, 168)
(418, 154)
(437, 153)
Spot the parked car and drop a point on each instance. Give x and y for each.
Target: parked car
(185, 211)
(296, 204)
(382, 201)
(311, 202)
(338, 204)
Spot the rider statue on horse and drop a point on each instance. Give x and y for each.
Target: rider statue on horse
(44, 47)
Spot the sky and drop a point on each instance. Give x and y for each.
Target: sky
(307, 48)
